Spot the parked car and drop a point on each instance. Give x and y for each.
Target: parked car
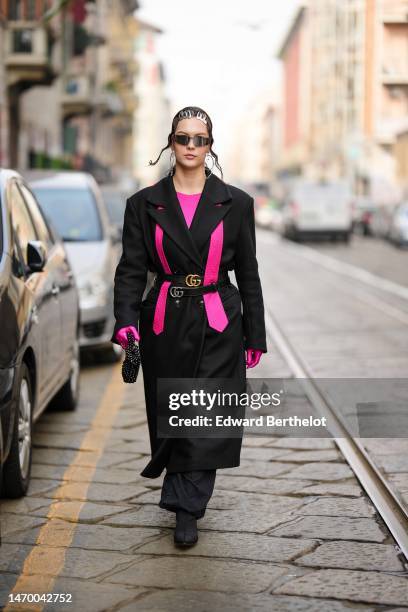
(363, 213)
(317, 209)
(398, 233)
(115, 202)
(276, 220)
(264, 215)
(381, 221)
(39, 314)
(74, 204)
(269, 215)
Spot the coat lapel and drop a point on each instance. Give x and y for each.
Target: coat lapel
(211, 208)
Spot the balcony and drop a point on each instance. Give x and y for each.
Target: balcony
(388, 129)
(109, 103)
(76, 98)
(121, 52)
(27, 55)
(124, 125)
(126, 68)
(395, 11)
(130, 101)
(395, 73)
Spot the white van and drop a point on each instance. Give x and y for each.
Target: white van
(312, 208)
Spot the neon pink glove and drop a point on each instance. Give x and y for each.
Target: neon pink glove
(252, 357)
(121, 335)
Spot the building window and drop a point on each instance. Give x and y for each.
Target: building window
(70, 138)
(15, 10)
(24, 9)
(22, 41)
(31, 12)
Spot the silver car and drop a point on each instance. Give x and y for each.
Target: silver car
(73, 203)
(398, 233)
(39, 315)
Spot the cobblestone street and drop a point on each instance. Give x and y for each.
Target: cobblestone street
(290, 529)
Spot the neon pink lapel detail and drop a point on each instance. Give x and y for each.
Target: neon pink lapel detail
(160, 309)
(217, 319)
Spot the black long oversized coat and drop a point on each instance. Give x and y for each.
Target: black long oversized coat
(188, 347)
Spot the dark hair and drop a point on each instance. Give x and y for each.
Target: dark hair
(185, 113)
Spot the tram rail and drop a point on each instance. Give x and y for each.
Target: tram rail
(385, 500)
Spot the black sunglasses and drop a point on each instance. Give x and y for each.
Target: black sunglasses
(184, 139)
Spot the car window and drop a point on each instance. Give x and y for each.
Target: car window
(73, 212)
(115, 205)
(37, 216)
(22, 224)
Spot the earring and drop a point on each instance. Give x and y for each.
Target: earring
(213, 163)
(172, 162)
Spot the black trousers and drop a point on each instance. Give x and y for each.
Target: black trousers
(190, 491)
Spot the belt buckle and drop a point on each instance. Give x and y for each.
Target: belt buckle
(193, 280)
(176, 291)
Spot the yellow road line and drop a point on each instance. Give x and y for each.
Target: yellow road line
(46, 560)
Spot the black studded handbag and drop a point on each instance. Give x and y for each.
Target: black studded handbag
(131, 363)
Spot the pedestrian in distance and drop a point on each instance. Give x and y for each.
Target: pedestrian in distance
(189, 229)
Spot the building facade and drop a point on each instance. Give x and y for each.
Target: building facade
(71, 85)
(345, 93)
(295, 115)
(152, 121)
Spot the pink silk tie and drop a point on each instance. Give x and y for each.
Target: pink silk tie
(217, 319)
(160, 310)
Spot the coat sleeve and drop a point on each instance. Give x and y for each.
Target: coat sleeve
(249, 284)
(131, 271)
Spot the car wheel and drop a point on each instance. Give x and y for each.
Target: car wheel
(17, 468)
(68, 396)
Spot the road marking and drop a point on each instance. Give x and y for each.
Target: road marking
(373, 300)
(46, 560)
(383, 496)
(343, 268)
(360, 293)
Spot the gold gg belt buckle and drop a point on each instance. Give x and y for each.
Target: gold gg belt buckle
(176, 291)
(193, 280)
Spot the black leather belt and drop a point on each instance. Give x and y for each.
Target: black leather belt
(184, 285)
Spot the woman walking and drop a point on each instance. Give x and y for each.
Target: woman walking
(190, 228)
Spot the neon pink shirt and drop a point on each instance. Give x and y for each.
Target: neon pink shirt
(188, 203)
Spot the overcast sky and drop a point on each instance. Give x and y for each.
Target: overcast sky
(212, 56)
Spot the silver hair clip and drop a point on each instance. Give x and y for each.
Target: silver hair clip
(189, 114)
(202, 117)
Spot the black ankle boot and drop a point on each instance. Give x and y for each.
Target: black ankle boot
(185, 533)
